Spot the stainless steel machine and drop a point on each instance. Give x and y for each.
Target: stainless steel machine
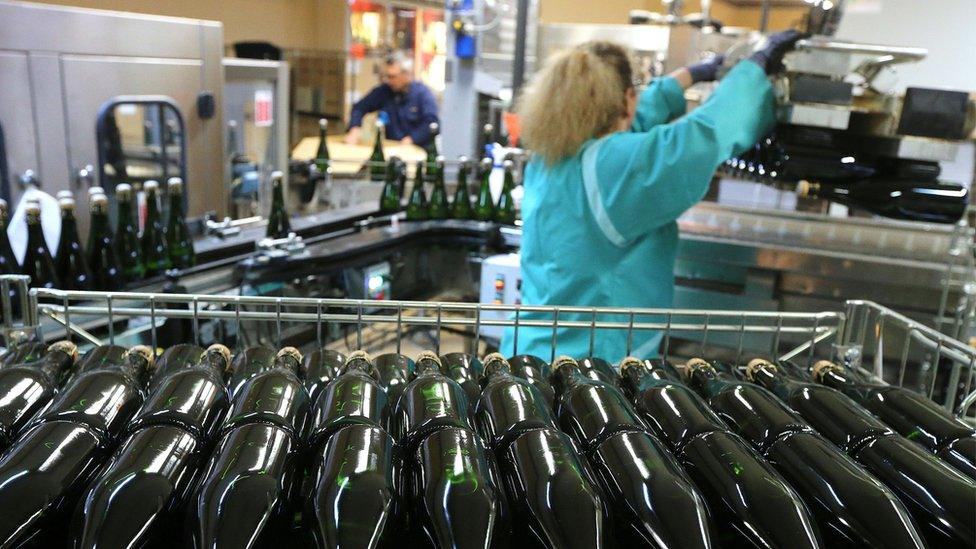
(157, 80)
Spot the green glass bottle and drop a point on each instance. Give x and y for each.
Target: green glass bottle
(377, 160)
(484, 209)
(401, 177)
(322, 159)
(181, 255)
(127, 246)
(8, 261)
(390, 197)
(70, 259)
(278, 223)
(432, 154)
(104, 264)
(438, 197)
(505, 210)
(38, 264)
(154, 250)
(417, 207)
(461, 207)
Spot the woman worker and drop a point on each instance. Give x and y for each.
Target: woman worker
(610, 174)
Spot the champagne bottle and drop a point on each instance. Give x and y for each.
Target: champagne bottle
(429, 403)
(390, 197)
(180, 245)
(279, 225)
(461, 205)
(536, 371)
(23, 352)
(354, 500)
(597, 369)
(401, 171)
(247, 364)
(393, 371)
(319, 368)
(438, 207)
(245, 497)
(97, 358)
(26, 388)
(916, 201)
(127, 246)
(8, 261)
(38, 264)
(417, 206)
(742, 488)
(509, 406)
(455, 499)
(432, 154)
(43, 474)
(187, 391)
(856, 507)
(505, 210)
(322, 159)
(484, 208)
(140, 496)
(910, 414)
(377, 160)
(70, 259)
(543, 461)
(661, 508)
(104, 264)
(535, 458)
(154, 248)
(940, 499)
(466, 370)
(355, 397)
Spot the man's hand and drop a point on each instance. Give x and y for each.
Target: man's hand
(774, 47)
(707, 70)
(407, 140)
(352, 136)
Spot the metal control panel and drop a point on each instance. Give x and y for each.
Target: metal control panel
(501, 284)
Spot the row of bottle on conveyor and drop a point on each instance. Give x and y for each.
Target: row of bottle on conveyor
(898, 189)
(111, 258)
(430, 172)
(120, 448)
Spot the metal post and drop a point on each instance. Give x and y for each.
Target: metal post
(764, 16)
(518, 63)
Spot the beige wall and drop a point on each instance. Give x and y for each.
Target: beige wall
(318, 24)
(615, 11)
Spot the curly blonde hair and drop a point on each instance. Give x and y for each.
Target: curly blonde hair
(577, 95)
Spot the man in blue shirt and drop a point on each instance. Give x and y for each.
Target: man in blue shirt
(409, 106)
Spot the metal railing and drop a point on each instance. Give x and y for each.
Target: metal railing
(895, 348)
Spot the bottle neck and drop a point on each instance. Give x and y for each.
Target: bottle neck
(832, 376)
(287, 363)
(707, 380)
(360, 366)
(152, 209)
(55, 362)
(767, 376)
(426, 366)
(125, 213)
(568, 376)
(69, 226)
(175, 205)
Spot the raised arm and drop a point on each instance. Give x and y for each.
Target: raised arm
(645, 180)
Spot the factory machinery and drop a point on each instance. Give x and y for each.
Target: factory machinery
(328, 379)
(327, 422)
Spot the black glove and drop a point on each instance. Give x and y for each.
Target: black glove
(706, 70)
(770, 57)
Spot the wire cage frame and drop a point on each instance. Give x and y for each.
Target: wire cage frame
(876, 340)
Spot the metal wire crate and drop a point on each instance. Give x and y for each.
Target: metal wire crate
(865, 335)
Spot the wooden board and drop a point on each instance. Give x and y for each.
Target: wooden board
(348, 159)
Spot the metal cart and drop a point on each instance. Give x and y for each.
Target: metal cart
(877, 340)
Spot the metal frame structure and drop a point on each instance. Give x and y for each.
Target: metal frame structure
(847, 329)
